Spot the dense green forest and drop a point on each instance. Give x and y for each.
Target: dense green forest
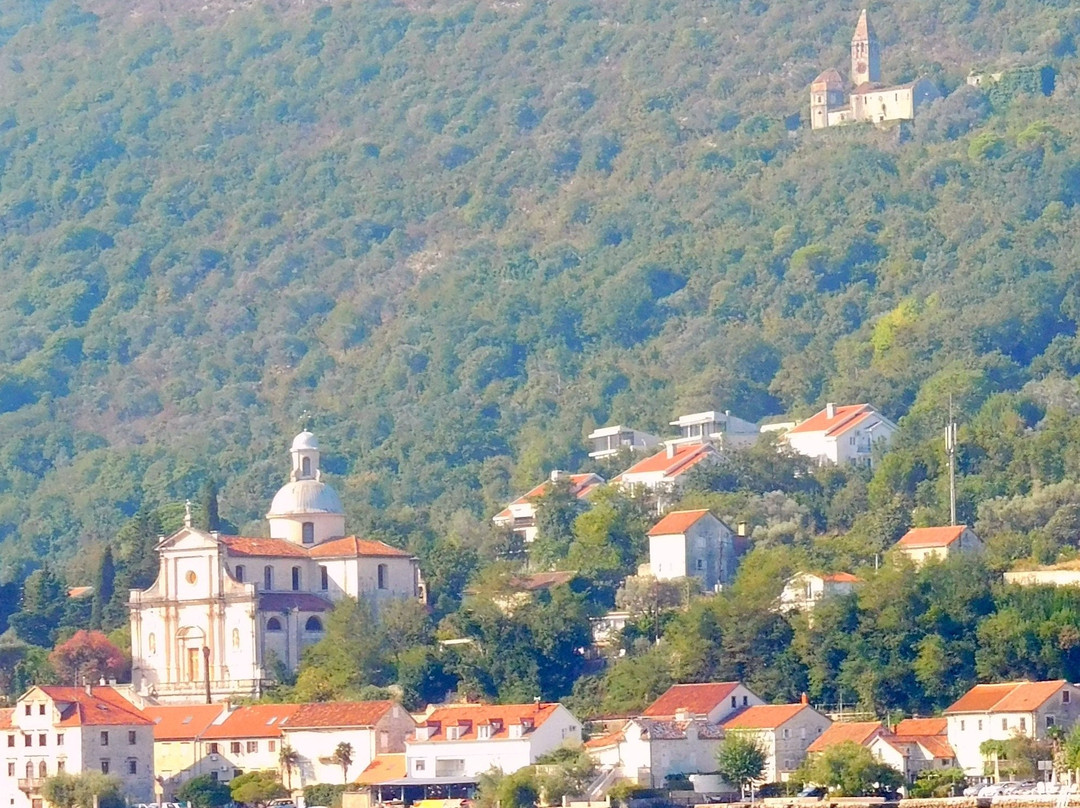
(454, 237)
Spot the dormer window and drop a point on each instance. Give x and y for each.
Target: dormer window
(453, 733)
(483, 732)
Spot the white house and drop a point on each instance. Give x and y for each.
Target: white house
(841, 434)
(520, 515)
(645, 751)
(923, 543)
(663, 472)
(608, 441)
(723, 429)
(912, 746)
(457, 743)
(244, 739)
(1002, 711)
(371, 728)
(710, 702)
(804, 591)
(178, 753)
(694, 544)
(785, 731)
(247, 598)
(74, 730)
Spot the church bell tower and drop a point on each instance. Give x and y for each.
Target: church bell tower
(865, 53)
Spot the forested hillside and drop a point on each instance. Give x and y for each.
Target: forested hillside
(459, 235)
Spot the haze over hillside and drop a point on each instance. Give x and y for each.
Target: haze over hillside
(459, 235)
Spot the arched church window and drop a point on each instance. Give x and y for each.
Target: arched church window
(273, 624)
(268, 577)
(305, 467)
(313, 624)
(236, 638)
(307, 532)
(296, 579)
(384, 576)
(324, 579)
(239, 574)
(151, 643)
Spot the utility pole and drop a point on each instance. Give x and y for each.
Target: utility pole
(950, 449)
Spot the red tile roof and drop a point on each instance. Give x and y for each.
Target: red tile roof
(682, 460)
(844, 417)
(677, 522)
(606, 740)
(103, 706)
(382, 769)
(842, 578)
(919, 537)
(765, 716)
(860, 732)
(244, 546)
(936, 745)
(334, 714)
(581, 485)
(182, 722)
(353, 547)
(1011, 697)
(252, 721)
(698, 699)
(471, 716)
(922, 726)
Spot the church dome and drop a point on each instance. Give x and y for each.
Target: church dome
(305, 440)
(305, 496)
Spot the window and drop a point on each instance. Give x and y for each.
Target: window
(27, 740)
(133, 766)
(384, 739)
(1023, 724)
(214, 776)
(11, 768)
(296, 579)
(268, 578)
(29, 770)
(961, 725)
(450, 767)
(700, 564)
(979, 727)
(104, 738)
(271, 746)
(59, 739)
(43, 770)
(313, 624)
(307, 532)
(787, 733)
(151, 643)
(383, 576)
(104, 767)
(273, 624)
(305, 467)
(10, 740)
(419, 766)
(239, 574)
(213, 749)
(734, 702)
(1050, 721)
(483, 732)
(42, 739)
(59, 766)
(41, 709)
(802, 732)
(324, 579)
(252, 747)
(131, 737)
(1004, 723)
(27, 709)
(744, 701)
(1064, 696)
(236, 638)
(234, 747)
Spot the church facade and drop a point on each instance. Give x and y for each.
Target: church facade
(225, 610)
(869, 101)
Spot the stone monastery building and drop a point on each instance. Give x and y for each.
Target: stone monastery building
(870, 101)
(225, 609)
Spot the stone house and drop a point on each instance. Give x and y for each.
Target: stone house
(785, 731)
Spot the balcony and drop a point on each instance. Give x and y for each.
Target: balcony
(31, 785)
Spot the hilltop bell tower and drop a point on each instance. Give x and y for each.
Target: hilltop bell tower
(865, 53)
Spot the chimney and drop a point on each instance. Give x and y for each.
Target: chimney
(740, 529)
(830, 410)
(89, 688)
(556, 474)
(804, 699)
(670, 448)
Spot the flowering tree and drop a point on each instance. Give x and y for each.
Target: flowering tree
(87, 657)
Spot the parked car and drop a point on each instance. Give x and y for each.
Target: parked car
(813, 792)
(991, 790)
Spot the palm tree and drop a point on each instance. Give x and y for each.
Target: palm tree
(289, 759)
(343, 758)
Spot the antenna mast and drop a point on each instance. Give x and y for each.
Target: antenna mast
(950, 449)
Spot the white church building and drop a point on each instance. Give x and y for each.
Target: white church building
(225, 609)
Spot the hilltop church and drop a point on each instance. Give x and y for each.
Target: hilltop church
(225, 609)
(870, 101)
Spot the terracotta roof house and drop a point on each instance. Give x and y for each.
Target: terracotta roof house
(178, 730)
(372, 728)
(457, 743)
(695, 544)
(246, 738)
(860, 732)
(841, 434)
(806, 590)
(664, 472)
(710, 702)
(784, 730)
(646, 751)
(75, 729)
(920, 544)
(1001, 711)
(520, 515)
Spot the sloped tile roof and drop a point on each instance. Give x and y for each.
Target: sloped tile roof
(937, 745)
(860, 732)
(1006, 697)
(844, 418)
(182, 722)
(842, 578)
(471, 716)
(682, 460)
(677, 522)
(922, 726)
(830, 78)
(607, 739)
(581, 485)
(353, 547)
(764, 716)
(696, 699)
(244, 546)
(103, 706)
(919, 537)
(332, 714)
(382, 769)
(252, 721)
